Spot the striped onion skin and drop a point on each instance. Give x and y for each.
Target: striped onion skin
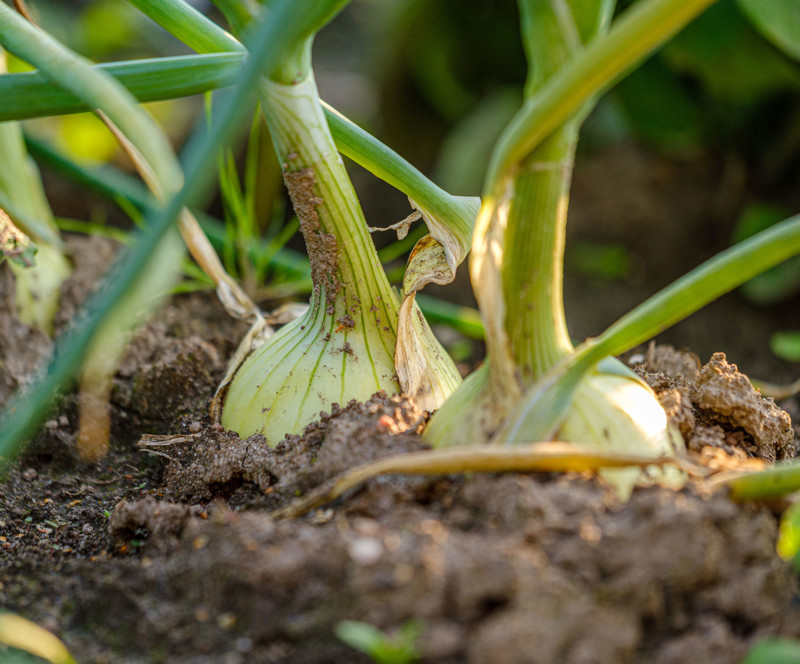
(343, 348)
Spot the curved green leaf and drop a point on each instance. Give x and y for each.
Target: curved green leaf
(778, 21)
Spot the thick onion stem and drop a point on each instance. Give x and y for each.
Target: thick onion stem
(343, 348)
(517, 273)
(537, 219)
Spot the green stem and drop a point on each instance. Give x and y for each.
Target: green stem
(534, 256)
(383, 162)
(31, 95)
(293, 45)
(639, 31)
(533, 244)
(768, 484)
(190, 26)
(344, 263)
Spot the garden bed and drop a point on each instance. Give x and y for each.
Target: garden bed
(144, 558)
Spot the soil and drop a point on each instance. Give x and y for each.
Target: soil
(166, 551)
(151, 559)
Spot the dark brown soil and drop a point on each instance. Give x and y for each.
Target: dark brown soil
(147, 559)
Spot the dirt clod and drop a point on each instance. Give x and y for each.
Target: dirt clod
(216, 462)
(717, 405)
(720, 388)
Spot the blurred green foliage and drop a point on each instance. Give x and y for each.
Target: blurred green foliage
(600, 262)
(774, 651)
(786, 345)
(777, 20)
(718, 84)
(789, 537)
(399, 648)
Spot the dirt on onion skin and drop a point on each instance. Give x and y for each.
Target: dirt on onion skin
(323, 251)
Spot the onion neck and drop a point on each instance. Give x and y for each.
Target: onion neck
(348, 278)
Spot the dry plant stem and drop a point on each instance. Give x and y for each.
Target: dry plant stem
(538, 457)
(236, 302)
(775, 391)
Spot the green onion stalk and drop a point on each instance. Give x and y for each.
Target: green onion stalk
(37, 286)
(346, 345)
(518, 248)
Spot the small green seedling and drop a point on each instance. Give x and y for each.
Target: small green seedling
(397, 648)
(774, 651)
